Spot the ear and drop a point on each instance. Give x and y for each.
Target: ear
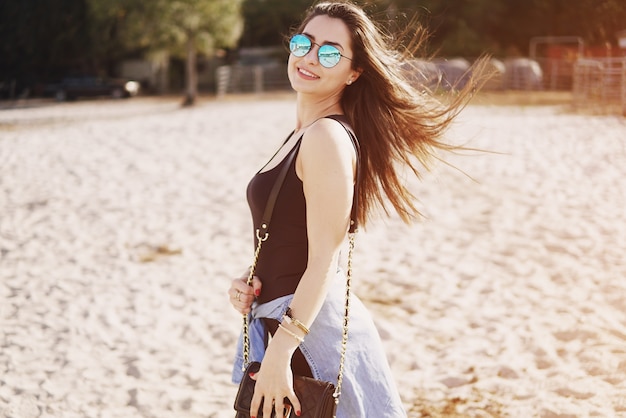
(354, 75)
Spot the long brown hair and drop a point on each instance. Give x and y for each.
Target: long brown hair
(397, 122)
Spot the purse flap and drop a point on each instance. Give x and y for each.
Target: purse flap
(314, 395)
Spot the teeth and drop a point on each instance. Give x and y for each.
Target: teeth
(305, 72)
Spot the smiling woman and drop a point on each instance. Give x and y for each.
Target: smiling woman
(350, 83)
(330, 64)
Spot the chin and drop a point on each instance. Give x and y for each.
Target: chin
(301, 86)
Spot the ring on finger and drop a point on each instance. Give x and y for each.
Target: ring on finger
(238, 295)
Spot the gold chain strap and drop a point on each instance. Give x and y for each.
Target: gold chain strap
(246, 333)
(346, 319)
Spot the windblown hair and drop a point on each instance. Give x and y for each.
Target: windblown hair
(397, 122)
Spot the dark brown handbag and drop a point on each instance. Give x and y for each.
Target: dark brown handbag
(318, 399)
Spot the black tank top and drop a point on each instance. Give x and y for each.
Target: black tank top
(283, 257)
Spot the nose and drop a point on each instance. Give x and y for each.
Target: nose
(311, 56)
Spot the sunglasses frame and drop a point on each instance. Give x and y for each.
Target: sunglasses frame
(320, 57)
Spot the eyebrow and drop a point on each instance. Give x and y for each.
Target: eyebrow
(325, 43)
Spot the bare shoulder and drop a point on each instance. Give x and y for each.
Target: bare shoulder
(328, 140)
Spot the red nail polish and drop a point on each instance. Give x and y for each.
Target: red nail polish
(298, 413)
(257, 292)
(251, 375)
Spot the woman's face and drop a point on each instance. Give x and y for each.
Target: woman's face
(307, 75)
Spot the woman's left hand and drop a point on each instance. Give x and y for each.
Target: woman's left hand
(274, 383)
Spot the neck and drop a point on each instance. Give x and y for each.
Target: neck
(311, 108)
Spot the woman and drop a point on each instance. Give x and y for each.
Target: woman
(340, 64)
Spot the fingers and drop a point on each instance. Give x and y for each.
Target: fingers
(256, 286)
(284, 407)
(258, 401)
(295, 402)
(268, 405)
(241, 295)
(241, 301)
(254, 406)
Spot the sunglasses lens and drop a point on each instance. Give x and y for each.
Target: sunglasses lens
(329, 56)
(299, 45)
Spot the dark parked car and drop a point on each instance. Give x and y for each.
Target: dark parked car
(73, 87)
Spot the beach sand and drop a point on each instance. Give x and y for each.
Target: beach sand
(123, 222)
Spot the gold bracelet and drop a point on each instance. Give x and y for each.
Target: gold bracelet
(294, 335)
(288, 317)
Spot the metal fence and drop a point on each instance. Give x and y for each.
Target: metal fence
(509, 74)
(251, 78)
(557, 74)
(594, 82)
(600, 83)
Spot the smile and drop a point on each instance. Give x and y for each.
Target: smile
(307, 73)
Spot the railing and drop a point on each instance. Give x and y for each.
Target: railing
(600, 83)
(594, 82)
(510, 74)
(251, 78)
(624, 87)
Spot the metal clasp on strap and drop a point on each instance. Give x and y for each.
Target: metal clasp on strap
(265, 234)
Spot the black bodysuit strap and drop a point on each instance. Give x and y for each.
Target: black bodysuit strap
(263, 229)
(355, 196)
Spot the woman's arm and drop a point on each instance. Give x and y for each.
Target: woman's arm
(326, 164)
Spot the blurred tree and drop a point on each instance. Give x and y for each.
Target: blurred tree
(456, 27)
(118, 29)
(180, 27)
(268, 21)
(192, 25)
(470, 27)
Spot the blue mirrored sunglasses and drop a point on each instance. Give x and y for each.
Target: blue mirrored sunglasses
(328, 55)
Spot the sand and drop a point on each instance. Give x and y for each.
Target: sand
(123, 222)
